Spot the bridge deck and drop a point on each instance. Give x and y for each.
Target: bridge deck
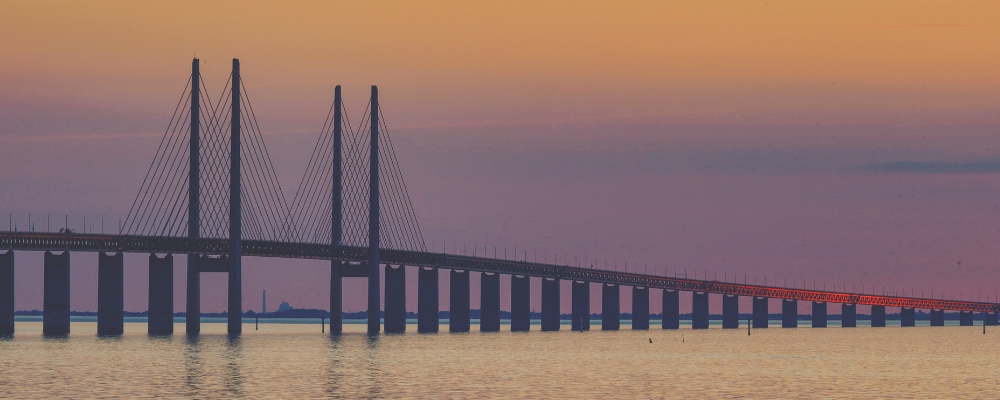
(180, 245)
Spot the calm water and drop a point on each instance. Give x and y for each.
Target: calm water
(296, 360)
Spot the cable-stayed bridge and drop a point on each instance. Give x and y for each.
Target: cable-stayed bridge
(211, 193)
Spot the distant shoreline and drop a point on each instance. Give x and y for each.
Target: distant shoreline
(308, 314)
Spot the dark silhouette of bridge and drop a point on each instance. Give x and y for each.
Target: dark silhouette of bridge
(211, 193)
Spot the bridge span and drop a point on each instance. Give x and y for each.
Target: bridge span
(352, 208)
(213, 253)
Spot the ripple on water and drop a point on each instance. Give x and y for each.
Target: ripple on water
(285, 360)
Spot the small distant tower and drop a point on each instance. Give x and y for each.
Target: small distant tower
(263, 307)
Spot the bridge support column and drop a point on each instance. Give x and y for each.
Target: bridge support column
(161, 295)
(759, 312)
(192, 317)
(848, 315)
(671, 309)
(235, 281)
(336, 298)
(520, 303)
(937, 317)
(907, 317)
(55, 319)
(550, 304)
(640, 308)
(458, 319)
(337, 218)
(965, 318)
(610, 308)
(581, 306)
(7, 293)
(427, 300)
(395, 299)
(789, 313)
(489, 302)
(110, 294)
(374, 322)
(878, 316)
(730, 312)
(818, 314)
(699, 310)
(990, 319)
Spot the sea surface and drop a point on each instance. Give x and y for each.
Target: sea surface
(296, 360)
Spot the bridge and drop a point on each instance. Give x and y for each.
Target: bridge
(352, 209)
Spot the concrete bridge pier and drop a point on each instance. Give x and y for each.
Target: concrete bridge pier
(671, 309)
(990, 319)
(640, 308)
(427, 300)
(550, 304)
(161, 295)
(730, 312)
(759, 312)
(937, 317)
(699, 310)
(395, 299)
(818, 314)
(520, 303)
(848, 315)
(489, 302)
(55, 319)
(110, 294)
(878, 316)
(336, 298)
(192, 308)
(7, 293)
(581, 306)
(610, 308)
(789, 313)
(907, 317)
(965, 318)
(458, 319)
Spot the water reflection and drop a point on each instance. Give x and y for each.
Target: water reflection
(193, 368)
(234, 365)
(373, 359)
(334, 365)
(296, 361)
(109, 337)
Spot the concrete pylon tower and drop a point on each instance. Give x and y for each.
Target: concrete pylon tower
(235, 212)
(336, 223)
(193, 318)
(374, 292)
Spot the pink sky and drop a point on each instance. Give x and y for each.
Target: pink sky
(744, 138)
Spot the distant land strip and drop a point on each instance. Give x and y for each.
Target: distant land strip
(919, 167)
(474, 314)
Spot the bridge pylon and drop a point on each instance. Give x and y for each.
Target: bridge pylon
(193, 317)
(374, 292)
(235, 212)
